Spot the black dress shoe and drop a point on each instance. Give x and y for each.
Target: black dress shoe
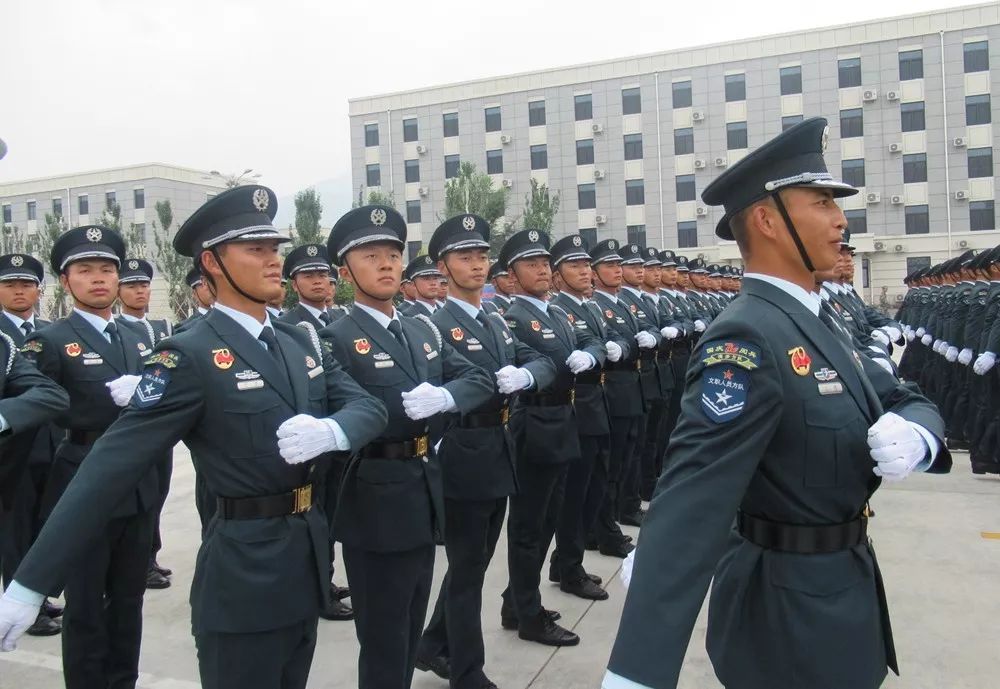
(339, 592)
(165, 571)
(488, 685)
(509, 621)
(51, 609)
(337, 611)
(439, 665)
(555, 577)
(621, 549)
(584, 588)
(155, 580)
(633, 518)
(44, 626)
(542, 630)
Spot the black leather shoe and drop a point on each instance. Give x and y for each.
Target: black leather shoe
(155, 580)
(337, 612)
(542, 630)
(590, 544)
(554, 576)
(633, 518)
(509, 621)
(439, 665)
(621, 549)
(339, 592)
(488, 685)
(44, 626)
(584, 588)
(165, 571)
(51, 609)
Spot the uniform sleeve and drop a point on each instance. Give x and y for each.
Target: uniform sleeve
(360, 416)
(30, 398)
(729, 413)
(538, 365)
(468, 384)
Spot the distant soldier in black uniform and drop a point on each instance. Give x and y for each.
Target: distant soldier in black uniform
(423, 273)
(785, 433)
(307, 268)
(390, 512)
(334, 309)
(503, 286)
(261, 403)
(201, 295)
(409, 292)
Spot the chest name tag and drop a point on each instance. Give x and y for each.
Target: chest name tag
(249, 384)
(508, 340)
(313, 372)
(92, 362)
(385, 364)
(433, 355)
(834, 388)
(475, 347)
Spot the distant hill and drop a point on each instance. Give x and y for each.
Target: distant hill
(335, 194)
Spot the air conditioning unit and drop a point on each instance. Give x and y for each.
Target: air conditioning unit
(899, 297)
(879, 246)
(507, 183)
(721, 161)
(873, 197)
(697, 115)
(423, 191)
(597, 128)
(892, 95)
(421, 149)
(701, 211)
(961, 195)
(506, 138)
(600, 219)
(598, 174)
(699, 164)
(869, 95)
(963, 244)
(895, 148)
(897, 200)
(898, 248)
(959, 142)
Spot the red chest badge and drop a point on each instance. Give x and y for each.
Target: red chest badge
(362, 346)
(570, 317)
(73, 349)
(536, 326)
(800, 361)
(222, 358)
(457, 334)
(608, 313)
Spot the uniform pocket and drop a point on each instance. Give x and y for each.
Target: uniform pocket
(825, 442)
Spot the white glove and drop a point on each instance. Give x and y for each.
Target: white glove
(892, 331)
(895, 446)
(921, 331)
(645, 340)
(965, 356)
(579, 362)
(123, 388)
(951, 354)
(937, 346)
(984, 363)
(880, 336)
(926, 338)
(303, 437)
(15, 619)
(614, 351)
(669, 332)
(511, 379)
(627, 565)
(884, 363)
(699, 326)
(426, 400)
(910, 335)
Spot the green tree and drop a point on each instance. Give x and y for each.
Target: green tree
(11, 240)
(170, 265)
(308, 211)
(47, 236)
(540, 208)
(374, 197)
(472, 191)
(345, 293)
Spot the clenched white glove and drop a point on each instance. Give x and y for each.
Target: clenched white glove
(892, 331)
(511, 379)
(669, 332)
(645, 340)
(937, 346)
(426, 400)
(895, 446)
(303, 437)
(699, 326)
(579, 362)
(951, 354)
(880, 336)
(925, 339)
(614, 351)
(984, 363)
(15, 619)
(627, 565)
(965, 356)
(123, 388)
(921, 331)
(910, 335)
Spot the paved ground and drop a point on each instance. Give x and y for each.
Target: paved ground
(941, 572)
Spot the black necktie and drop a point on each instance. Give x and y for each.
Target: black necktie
(325, 317)
(396, 328)
(27, 327)
(267, 337)
(482, 318)
(116, 340)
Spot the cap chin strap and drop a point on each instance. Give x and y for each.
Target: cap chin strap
(229, 278)
(76, 298)
(791, 230)
(357, 284)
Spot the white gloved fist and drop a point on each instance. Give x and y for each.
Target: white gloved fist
(895, 446)
(925, 339)
(123, 388)
(984, 363)
(426, 400)
(627, 565)
(15, 619)
(511, 379)
(699, 326)
(645, 340)
(669, 332)
(303, 437)
(880, 336)
(921, 331)
(965, 356)
(937, 346)
(892, 331)
(884, 363)
(910, 335)
(579, 362)
(614, 351)
(951, 354)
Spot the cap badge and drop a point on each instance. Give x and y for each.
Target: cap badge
(94, 234)
(532, 236)
(261, 200)
(17, 261)
(469, 223)
(133, 265)
(378, 217)
(612, 244)
(311, 251)
(633, 249)
(824, 139)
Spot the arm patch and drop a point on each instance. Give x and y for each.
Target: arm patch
(731, 352)
(166, 358)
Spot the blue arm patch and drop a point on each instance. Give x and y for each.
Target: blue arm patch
(724, 391)
(151, 387)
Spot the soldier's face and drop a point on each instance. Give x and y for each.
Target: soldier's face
(576, 275)
(18, 296)
(312, 285)
(534, 275)
(819, 222)
(409, 291)
(683, 279)
(134, 295)
(608, 274)
(93, 282)
(504, 283)
(467, 268)
(377, 268)
(203, 294)
(254, 266)
(427, 287)
(668, 276)
(699, 280)
(633, 274)
(651, 278)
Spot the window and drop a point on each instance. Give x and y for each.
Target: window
(682, 94)
(413, 249)
(857, 220)
(371, 135)
(683, 141)
(451, 164)
(589, 236)
(977, 56)
(852, 123)
(911, 65)
(633, 147)
(412, 211)
(110, 199)
(914, 168)
(636, 234)
(32, 210)
(631, 101)
(977, 109)
(536, 113)
(493, 119)
(140, 232)
(583, 107)
(685, 188)
(449, 124)
(912, 117)
(736, 87)
(494, 161)
(980, 162)
(585, 152)
(853, 172)
(635, 192)
(791, 80)
(866, 272)
(412, 168)
(687, 234)
(83, 204)
(982, 216)
(736, 135)
(7, 213)
(790, 121)
(373, 176)
(410, 129)
(57, 207)
(917, 220)
(849, 72)
(138, 198)
(586, 196)
(914, 263)
(539, 157)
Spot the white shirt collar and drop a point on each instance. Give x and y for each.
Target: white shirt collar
(99, 323)
(612, 297)
(632, 289)
(465, 306)
(316, 313)
(202, 310)
(575, 300)
(655, 296)
(431, 305)
(249, 323)
(131, 319)
(379, 317)
(18, 321)
(807, 299)
(542, 306)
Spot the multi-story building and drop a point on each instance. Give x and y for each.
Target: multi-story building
(82, 198)
(630, 144)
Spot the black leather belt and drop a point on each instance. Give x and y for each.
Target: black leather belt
(396, 449)
(262, 507)
(548, 399)
(633, 365)
(800, 538)
(83, 437)
(647, 354)
(485, 419)
(590, 378)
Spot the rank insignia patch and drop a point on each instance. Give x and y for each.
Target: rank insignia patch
(33, 346)
(724, 392)
(166, 358)
(223, 358)
(800, 360)
(73, 349)
(151, 387)
(732, 352)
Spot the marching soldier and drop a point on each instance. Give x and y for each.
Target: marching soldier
(307, 268)
(423, 274)
(201, 295)
(503, 286)
(390, 512)
(409, 292)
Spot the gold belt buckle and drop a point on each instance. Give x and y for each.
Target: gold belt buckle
(505, 415)
(572, 395)
(602, 377)
(867, 511)
(303, 499)
(638, 364)
(422, 444)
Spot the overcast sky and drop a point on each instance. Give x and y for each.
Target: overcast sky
(232, 84)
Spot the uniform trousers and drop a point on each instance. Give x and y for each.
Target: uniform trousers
(164, 470)
(624, 436)
(275, 659)
(583, 492)
(21, 521)
(653, 446)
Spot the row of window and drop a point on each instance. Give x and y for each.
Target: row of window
(980, 164)
(912, 116)
(83, 205)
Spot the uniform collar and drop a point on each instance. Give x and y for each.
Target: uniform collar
(807, 299)
(541, 305)
(313, 311)
(632, 289)
(431, 306)
(202, 310)
(248, 322)
(132, 319)
(18, 321)
(379, 317)
(99, 323)
(612, 297)
(570, 296)
(466, 306)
